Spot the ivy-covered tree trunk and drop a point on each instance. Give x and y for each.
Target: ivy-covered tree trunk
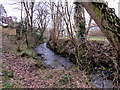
(109, 23)
(79, 19)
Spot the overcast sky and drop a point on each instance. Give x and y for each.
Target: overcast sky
(12, 11)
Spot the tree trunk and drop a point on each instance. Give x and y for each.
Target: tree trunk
(99, 18)
(108, 22)
(79, 19)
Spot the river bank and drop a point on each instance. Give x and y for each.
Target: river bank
(23, 71)
(57, 61)
(26, 75)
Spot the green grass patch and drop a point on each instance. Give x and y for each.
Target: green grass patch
(95, 38)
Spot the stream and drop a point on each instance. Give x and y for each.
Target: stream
(51, 59)
(55, 61)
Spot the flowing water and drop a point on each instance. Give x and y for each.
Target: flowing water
(55, 61)
(51, 59)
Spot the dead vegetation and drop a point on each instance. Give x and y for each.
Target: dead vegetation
(27, 75)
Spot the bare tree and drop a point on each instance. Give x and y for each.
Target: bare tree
(56, 21)
(67, 15)
(29, 10)
(42, 17)
(2, 11)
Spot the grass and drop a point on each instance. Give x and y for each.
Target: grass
(95, 38)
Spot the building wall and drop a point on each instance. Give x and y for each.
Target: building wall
(7, 31)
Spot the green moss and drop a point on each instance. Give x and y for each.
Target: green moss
(65, 79)
(7, 75)
(40, 65)
(50, 77)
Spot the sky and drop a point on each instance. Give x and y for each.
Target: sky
(12, 9)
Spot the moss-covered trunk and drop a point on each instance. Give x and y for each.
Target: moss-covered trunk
(81, 50)
(109, 23)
